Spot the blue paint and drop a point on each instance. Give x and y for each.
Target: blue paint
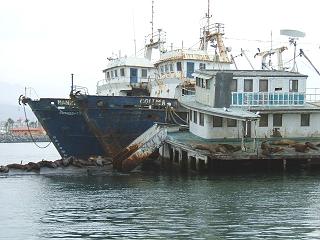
(119, 120)
(133, 75)
(66, 128)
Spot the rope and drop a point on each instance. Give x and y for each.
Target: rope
(171, 109)
(27, 121)
(173, 119)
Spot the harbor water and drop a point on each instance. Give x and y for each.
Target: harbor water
(155, 205)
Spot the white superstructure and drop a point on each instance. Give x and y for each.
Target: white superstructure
(126, 76)
(224, 98)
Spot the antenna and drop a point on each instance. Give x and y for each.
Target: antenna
(134, 37)
(71, 92)
(293, 35)
(208, 16)
(152, 13)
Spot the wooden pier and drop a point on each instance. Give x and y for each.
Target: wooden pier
(190, 153)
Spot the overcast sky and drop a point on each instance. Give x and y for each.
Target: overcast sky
(43, 41)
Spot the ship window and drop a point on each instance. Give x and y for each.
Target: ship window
(122, 72)
(144, 73)
(263, 122)
(202, 66)
(108, 75)
(116, 73)
(305, 120)
(195, 113)
(190, 115)
(231, 122)
(202, 83)
(161, 69)
(171, 67)
(201, 119)
(166, 68)
(248, 85)
(197, 81)
(217, 121)
(277, 120)
(263, 85)
(190, 69)
(207, 84)
(293, 86)
(111, 74)
(234, 85)
(179, 69)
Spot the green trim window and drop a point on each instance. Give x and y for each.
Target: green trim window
(217, 121)
(293, 86)
(263, 122)
(263, 85)
(277, 120)
(231, 122)
(305, 120)
(248, 85)
(201, 119)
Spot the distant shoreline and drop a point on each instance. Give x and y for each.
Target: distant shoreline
(6, 138)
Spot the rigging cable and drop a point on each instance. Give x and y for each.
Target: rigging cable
(33, 140)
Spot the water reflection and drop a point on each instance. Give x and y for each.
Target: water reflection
(161, 206)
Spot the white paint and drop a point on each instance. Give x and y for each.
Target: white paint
(291, 128)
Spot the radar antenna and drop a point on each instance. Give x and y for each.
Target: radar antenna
(293, 35)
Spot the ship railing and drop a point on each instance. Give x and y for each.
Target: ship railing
(313, 95)
(268, 98)
(30, 92)
(80, 90)
(215, 28)
(101, 82)
(188, 92)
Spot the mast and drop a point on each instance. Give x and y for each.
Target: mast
(208, 16)
(134, 38)
(213, 33)
(152, 43)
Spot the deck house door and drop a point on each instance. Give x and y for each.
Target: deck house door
(133, 75)
(190, 69)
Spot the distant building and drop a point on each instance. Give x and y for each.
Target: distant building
(24, 131)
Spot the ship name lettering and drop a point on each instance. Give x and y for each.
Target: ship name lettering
(152, 101)
(65, 102)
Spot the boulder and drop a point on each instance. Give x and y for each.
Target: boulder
(31, 166)
(48, 164)
(311, 146)
(4, 169)
(16, 166)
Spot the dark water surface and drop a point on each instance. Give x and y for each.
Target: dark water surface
(152, 205)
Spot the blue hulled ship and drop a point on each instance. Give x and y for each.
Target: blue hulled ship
(117, 120)
(134, 94)
(65, 126)
(64, 123)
